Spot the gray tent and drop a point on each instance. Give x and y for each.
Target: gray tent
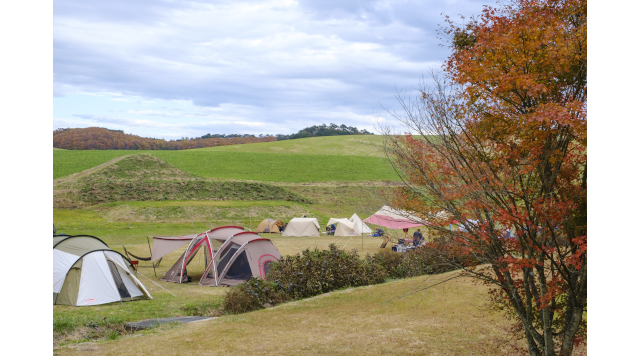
(87, 272)
(231, 255)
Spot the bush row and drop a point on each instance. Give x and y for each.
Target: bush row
(315, 272)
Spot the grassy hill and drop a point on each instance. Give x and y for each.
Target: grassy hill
(143, 177)
(316, 159)
(356, 145)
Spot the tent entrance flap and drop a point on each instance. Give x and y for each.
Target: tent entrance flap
(226, 257)
(117, 279)
(240, 268)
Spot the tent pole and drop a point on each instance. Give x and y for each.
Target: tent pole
(152, 264)
(184, 257)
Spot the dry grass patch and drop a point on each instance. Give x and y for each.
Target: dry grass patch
(447, 320)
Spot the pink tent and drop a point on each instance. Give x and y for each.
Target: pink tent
(394, 218)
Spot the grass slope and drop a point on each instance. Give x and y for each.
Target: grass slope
(279, 167)
(447, 320)
(356, 145)
(67, 162)
(316, 159)
(143, 177)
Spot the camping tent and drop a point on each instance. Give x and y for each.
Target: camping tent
(360, 227)
(345, 227)
(394, 218)
(336, 221)
(242, 256)
(269, 225)
(232, 255)
(87, 272)
(349, 227)
(302, 227)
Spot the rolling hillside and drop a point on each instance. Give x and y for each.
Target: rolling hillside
(143, 177)
(317, 159)
(357, 145)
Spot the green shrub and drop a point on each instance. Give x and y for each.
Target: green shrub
(252, 295)
(389, 260)
(435, 257)
(315, 272)
(320, 271)
(304, 275)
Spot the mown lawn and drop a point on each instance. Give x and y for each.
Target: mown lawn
(450, 319)
(266, 167)
(281, 167)
(358, 145)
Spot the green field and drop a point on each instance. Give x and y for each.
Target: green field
(67, 162)
(282, 167)
(350, 160)
(358, 145)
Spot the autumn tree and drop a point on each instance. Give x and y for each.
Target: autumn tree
(498, 141)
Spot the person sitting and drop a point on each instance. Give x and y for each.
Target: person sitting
(417, 237)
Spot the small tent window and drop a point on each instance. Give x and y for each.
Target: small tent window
(240, 268)
(225, 259)
(124, 293)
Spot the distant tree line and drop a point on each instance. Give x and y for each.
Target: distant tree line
(324, 130)
(98, 138)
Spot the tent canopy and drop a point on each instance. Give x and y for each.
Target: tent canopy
(302, 227)
(337, 220)
(394, 218)
(163, 245)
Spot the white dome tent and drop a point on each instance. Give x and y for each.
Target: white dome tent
(87, 272)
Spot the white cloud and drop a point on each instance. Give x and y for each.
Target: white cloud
(302, 63)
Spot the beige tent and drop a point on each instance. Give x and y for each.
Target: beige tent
(360, 226)
(269, 225)
(345, 227)
(231, 255)
(349, 227)
(87, 272)
(302, 227)
(336, 221)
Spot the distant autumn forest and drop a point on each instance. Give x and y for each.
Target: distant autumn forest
(98, 138)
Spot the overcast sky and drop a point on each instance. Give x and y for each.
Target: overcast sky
(170, 69)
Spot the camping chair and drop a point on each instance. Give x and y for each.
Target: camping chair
(385, 241)
(385, 238)
(135, 263)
